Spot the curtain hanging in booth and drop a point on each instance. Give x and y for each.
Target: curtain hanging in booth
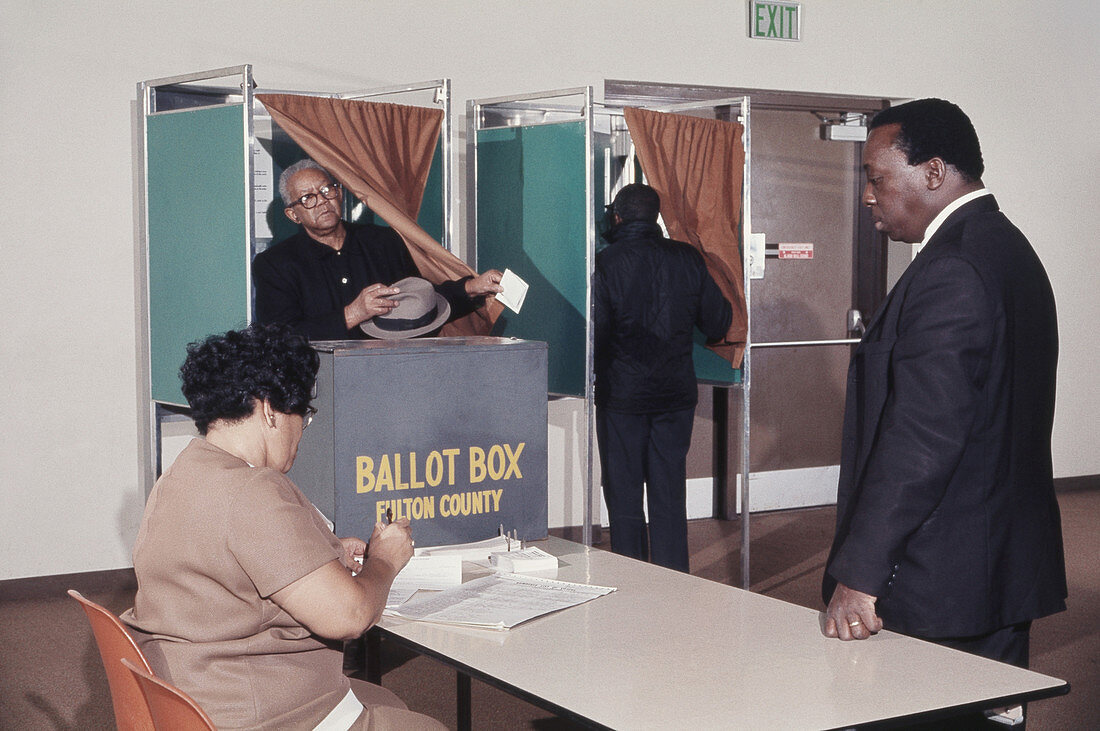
(382, 153)
(697, 167)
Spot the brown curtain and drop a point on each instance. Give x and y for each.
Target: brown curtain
(382, 153)
(697, 167)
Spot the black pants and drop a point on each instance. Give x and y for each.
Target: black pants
(649, 450)
(1008, 644)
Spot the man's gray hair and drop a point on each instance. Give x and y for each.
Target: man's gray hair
(290, 172)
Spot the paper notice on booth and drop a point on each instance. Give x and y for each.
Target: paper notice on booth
(515, 291)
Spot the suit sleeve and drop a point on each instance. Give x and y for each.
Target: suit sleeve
(280, 298)
(937, 366)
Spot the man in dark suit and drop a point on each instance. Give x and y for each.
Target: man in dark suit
(947, 523)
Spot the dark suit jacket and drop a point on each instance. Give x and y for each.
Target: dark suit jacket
(946, 508)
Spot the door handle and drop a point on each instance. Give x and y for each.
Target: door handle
(855, 322)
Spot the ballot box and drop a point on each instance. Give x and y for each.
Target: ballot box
(448, 432)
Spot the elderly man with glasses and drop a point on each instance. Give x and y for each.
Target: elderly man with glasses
(332, 276)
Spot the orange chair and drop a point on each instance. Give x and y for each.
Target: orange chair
(172, 709)
(115, 643)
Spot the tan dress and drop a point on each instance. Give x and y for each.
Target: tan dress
(217, 540)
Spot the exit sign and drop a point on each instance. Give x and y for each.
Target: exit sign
(775, 20)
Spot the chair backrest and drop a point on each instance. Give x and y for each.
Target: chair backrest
(115, 644)
(172, 709)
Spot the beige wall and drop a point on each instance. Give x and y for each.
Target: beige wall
(70, 495)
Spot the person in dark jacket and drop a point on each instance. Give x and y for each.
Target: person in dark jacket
(333, 276)
(649, 294)
(948, 526)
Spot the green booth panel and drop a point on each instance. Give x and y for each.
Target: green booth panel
(711, 368)
(197, 226)
(531, 206)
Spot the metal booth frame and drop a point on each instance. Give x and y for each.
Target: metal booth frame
(572, 104)
(234, 86)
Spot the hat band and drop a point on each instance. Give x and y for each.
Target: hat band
(398, 324)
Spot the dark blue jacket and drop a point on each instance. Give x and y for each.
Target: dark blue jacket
(946, 508)
(649, 294)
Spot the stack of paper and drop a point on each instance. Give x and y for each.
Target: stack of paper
(528, 560)
(425, 572)
(500, 601)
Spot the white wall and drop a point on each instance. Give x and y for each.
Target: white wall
(70, 495)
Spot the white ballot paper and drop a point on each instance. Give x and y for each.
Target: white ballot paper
(500, 601)
(425, 572)
(515, 290)
(529, 560)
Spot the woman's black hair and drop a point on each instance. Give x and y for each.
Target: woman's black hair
(225, 376)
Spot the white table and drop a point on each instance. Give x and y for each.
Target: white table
(670, 650)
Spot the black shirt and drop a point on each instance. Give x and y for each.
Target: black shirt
(306, 284)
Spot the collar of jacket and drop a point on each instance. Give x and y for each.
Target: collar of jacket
(634, 230)
(982, 204)
(323, 251)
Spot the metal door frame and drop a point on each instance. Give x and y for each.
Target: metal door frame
(864, 297)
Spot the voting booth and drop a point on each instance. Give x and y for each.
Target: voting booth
(541, 167)
(210, 158)
(211, 162)
(448, 432)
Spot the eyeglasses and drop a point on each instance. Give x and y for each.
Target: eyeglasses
(307, 418)
(310, 200)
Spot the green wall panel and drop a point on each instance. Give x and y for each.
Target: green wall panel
(710, 367)
(531, 219)
(198, 235)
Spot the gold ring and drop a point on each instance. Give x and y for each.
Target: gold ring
(856, 623)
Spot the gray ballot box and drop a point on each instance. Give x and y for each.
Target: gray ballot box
(448, 432)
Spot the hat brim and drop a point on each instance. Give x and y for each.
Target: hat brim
(443, 311)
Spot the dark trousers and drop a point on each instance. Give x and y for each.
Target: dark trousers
(649, 450)
(1008, 644)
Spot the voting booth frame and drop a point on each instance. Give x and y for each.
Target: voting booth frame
(209, 163)
(541, 166)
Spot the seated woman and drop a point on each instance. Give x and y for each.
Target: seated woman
(244, 593)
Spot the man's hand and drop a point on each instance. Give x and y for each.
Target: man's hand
(851, 615)
(373, 300)
(483, 284)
